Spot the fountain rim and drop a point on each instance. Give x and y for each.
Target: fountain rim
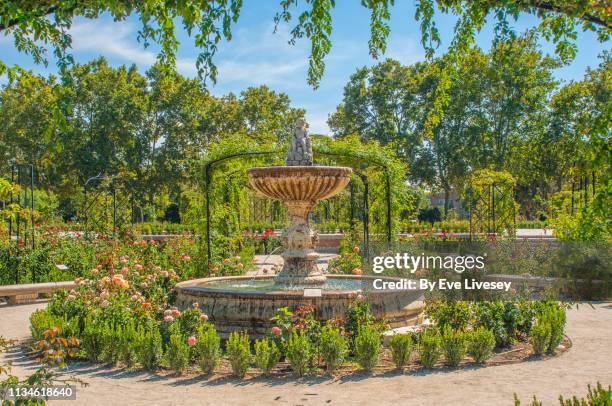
(191, 288)
(288, 170)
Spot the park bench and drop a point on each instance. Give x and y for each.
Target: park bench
(17, 294)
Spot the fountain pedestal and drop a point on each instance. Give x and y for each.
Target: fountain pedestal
(300, 267)
(299, 188)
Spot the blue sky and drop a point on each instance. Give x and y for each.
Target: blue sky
(256, 56)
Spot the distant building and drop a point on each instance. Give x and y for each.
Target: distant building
(436, 199)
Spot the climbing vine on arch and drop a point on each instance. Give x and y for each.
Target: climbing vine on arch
(380, 165)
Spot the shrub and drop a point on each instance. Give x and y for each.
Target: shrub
(540, 336)
(556, 319)
(40, 321)
(43, 319)
(208, 349)
(345, 263)
(56, 346)
(109, 337)
(299, 352)
(127, 344)
(267, 355)
(91, 340)
(480, 344)
(358, 314)
(401, 349)
(177, 351)
(149, 346)
(453, 345)
(333, 347)
(429, 348)
(505, 319)
(450, 312)
(547, 333)
(595, 397)
(367, 347)
(190, 321)
(239, 353)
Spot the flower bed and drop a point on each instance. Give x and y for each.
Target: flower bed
(125, 317)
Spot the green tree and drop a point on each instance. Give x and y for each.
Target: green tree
(29, 130)
(383, 103)
(267, 115)
(31, 23)
(583, 112)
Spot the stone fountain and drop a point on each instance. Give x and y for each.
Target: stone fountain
(299, 186)
(249, 302)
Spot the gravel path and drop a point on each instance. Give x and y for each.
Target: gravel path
(588, 361)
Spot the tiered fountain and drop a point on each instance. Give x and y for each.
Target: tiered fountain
(248, 302)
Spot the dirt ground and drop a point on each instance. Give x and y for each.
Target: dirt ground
(588, 361)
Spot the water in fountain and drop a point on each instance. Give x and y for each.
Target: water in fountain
(268, 285)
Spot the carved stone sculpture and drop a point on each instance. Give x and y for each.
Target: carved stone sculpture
(300, 147)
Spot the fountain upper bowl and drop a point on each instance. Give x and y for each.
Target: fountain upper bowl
(299, 183)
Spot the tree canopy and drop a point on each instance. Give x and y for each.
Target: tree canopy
(36, 24)
(505, 112)
(145, 130)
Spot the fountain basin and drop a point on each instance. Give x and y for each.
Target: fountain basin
(299, 183)
(299, 188)
(246, 303)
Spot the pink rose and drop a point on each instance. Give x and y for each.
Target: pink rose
(176, 313)
(168, 319)
(191, 341)
(123, 260)
(276, 330)
(167, 312)
(203, 317)
(138, 267)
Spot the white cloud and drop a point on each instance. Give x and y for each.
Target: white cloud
(405, 50)
(317, 123)
(116, 39)
(260, 72)
(256, 56)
